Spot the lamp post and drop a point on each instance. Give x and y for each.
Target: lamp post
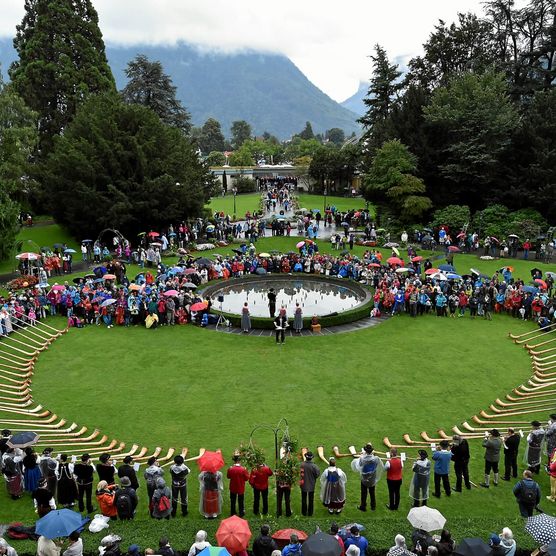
(325, 193)
(275, 431)
(234, 191)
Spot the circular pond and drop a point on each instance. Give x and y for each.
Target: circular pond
(315, 296)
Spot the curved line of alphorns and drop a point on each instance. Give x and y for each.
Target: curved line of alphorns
(20, 351)
(18, 354)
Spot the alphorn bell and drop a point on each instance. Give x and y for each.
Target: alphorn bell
(536, 330)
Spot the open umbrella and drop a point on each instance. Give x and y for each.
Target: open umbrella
(260, 271)
(551, 274)
(417, 259)
(430, 271)
(28, 256)
(233, 533)
(374, 265)
(170, 293)
(391, 244)
(107, 302)
(513, 236)
(453, 276)
(203, 261)
(23, 439)
(446, 268)
(45, 248)
(535, 271)
(530, 289)
(541, 283)
(77, 280)
(214, 551)
(300, 244)
(58, 288)
(109, 277)
(86, 241)
(425, 518)
(542, 527)
(321, 544)
(551, 548)
(200, 306)
(282, 537)
(58, 523)
(394, 261)
(182, 251)
(188, 271)
(189, 286)
(454, 249)
(210, 228)
(153, 234)
(404, 270)
(134, 287)
(472, 547)
(264, 255)
(58, 245)
(344, 252)
(211, 461)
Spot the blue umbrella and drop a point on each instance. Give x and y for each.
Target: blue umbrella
(260, 270)
(172, 234)
(447, 268)
(23, 439)
(58, 523)
(315, 210)
(530, 289)
(107, 302)
(70, 251)
(453, 276)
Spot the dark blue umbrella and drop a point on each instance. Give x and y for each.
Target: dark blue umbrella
(321, 544)
(58, 523)
(530, 289)
(446, 268)
(260, 270)
(472, 547)
(23, 439)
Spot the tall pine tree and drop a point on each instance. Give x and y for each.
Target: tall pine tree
(380, 99)
(61, 62)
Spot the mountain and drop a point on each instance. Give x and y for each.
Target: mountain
(266, 90)
(355, 102)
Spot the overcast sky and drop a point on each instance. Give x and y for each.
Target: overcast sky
(329, 40)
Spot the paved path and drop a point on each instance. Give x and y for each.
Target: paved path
(340, 329)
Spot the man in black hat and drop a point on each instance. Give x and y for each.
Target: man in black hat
(271, 302)
(125, 499)
(127, 470)
(460, 457)
(492, 444)
(83, 472)
(550, 435)
(6, 435)
(309, 474)
(511, 447)
(534, 447)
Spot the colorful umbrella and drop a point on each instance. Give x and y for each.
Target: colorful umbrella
(28, 256)
(108, 302)
(190, 271)
(374, 265)
(446, 268)
(23, 439)
(541, 283)
(153, 234)
(396, 250)
(201, 306)
(58, 523)
(134, 287)
(58, 288)
(300, 244)
(283, 535)
(109, 277)
(189, 285)
(453, 276)
(171, 293)
(417, 259)
(211, 461)
(394, 261)
(234, 534)
(454, 249)
(214, 551)
(439, 276)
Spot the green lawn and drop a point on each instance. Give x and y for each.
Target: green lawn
(341, 203)
(245, 202)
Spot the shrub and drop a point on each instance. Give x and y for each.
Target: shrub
(245, 185)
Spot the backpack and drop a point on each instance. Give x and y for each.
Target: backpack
(528, 493)
(123, 503)
(163, 504)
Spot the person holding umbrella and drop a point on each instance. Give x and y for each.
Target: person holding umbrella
(211, 486)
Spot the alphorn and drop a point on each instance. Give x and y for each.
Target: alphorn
(110, 448)
(57, 331)
(73, 442)
(538, 334)
(540, 374)
(183, 454)
(18, 365)
(541, 360)
(26, 386)
(534, 331)
(195, 458)
(43, 344)
(388, 444)
(523, 410)
(20, 399)
(494, 424)
(320, 452)
(155, 454)
(21, 374)
(411, 442)
(19, 350)
(4, 366)
(548, 350)
(337, 454)
(510, 413)
(168, 457)
(4, 405)
(31, 334)
(531, 395)
(51, 432)
(40, 326)
(92, 436)
(525, 403)
(35, 348)
(12, 356)
(36, 422)
(45, 413)
(535, 346)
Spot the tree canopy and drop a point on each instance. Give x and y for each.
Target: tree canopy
(149, 86)
(118, 165)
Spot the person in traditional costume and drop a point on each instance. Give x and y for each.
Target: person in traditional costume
(245, 318)
(419, 487)
(67, 487)
(31, 470)
(533, 453)
(43, 499)
(11, 469)
(298, 319)
(550, 435)
(333, 487)
(370, 468)
(280, 325)
(210, 500)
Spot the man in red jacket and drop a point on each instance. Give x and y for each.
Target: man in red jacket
(238, 476)
(258, 479)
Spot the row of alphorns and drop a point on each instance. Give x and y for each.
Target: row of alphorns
(536, 397)
(18, 354)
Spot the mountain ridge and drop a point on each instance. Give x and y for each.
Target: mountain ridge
(266, 90)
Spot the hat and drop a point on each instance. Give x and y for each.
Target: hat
(309, 455)
(128, 459)
(423, 454)
(494, 432)
(125, 481)
(553, 416)
(494, 539)
(535, 423)
(368, 448)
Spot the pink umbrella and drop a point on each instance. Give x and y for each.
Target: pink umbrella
(417, 259)
(58, 288)
(190, 271)
(453, 249)
(300, 244)
(153, 234)
(28, 256)
(431, 271)
(171, 293)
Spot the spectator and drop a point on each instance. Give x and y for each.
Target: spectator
(200, 543)
(264, 544)
(356, 539)
(445, 545)
(527, 493)
(161, 505)
(399, 548)
(507, 541)
(125, 499)
(294, 548)
(75, 547)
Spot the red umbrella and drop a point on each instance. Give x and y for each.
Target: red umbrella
(282, 537)
(211, 461)
(109, 277)
(394, 261)
(201, 306)
(431, 271)
(153, 234)
(453, 249)
(417, 259)
(460, 235)
(542, 283)
(189, 271)
(234, 534)
(374, 265)
(171, 293)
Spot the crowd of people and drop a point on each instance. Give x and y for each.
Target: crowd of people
(55, 481)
